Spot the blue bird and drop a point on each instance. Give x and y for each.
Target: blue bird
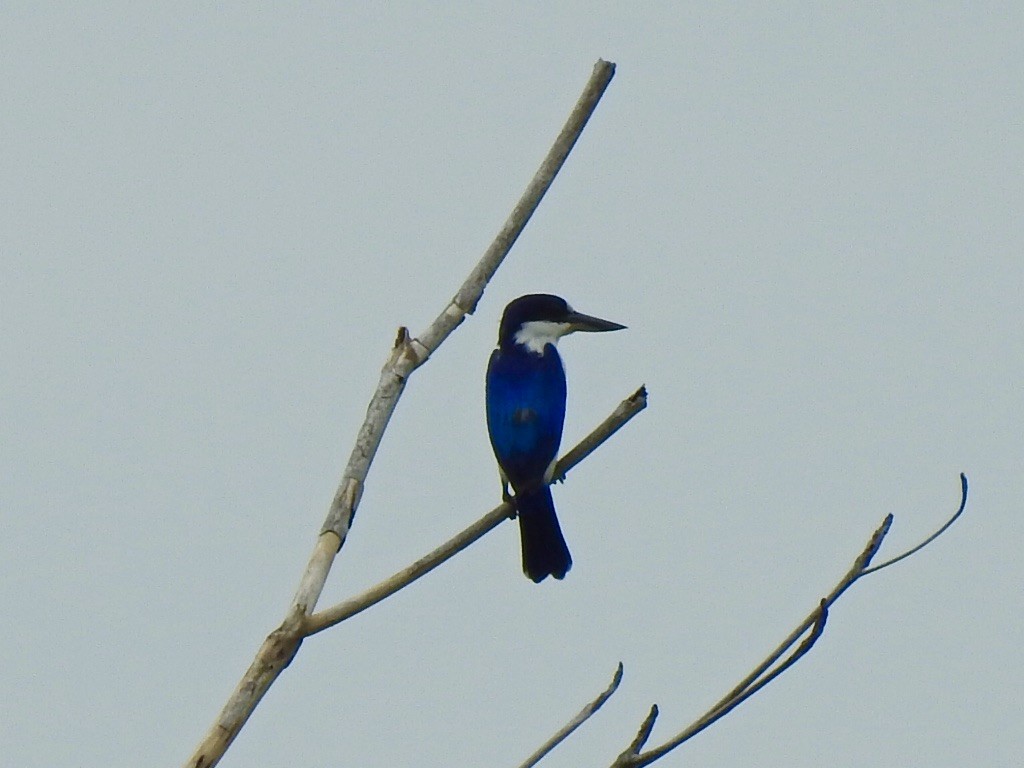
(525, 414)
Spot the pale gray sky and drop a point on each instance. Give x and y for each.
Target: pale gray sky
(213, 218)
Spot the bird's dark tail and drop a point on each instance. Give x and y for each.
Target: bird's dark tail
(544, 549)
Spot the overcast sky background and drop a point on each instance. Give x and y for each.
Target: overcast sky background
(214, 217)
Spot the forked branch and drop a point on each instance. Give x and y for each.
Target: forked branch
(407, 355)
(328, 617)
(769, 669)
(930, 539)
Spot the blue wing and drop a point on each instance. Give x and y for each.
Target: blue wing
(525, 412)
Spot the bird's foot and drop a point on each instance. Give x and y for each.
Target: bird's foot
(509, 499)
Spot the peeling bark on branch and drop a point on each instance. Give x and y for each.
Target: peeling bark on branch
(406, 356)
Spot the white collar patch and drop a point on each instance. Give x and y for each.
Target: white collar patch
(537, 334)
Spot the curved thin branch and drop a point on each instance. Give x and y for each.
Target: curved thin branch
(761, 676)
(714, 715)
(576, 722)
(851, 576)
(406, 356)
(328, 617)
(933, 537)
(766, 671)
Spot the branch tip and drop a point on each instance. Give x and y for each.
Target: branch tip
(788, 653)
(875, 543)
(644, 733)
(913, 550)
(584, 714)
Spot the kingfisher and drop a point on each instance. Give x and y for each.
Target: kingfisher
(525, 413)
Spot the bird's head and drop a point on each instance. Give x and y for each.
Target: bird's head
(539, 319)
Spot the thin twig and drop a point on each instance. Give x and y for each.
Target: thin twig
(851, 576)
(626, 410)
(328, 617)
(406, 356)
(737, 695)
(576, 722)
(933, 537)
(766, 672)
(643, 733)
(713, 716)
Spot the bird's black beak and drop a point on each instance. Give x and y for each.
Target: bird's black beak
(579, 322)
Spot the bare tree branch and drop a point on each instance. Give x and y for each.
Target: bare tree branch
(628, 408)
(576, 722)
(933, 537)
(407, 355)
(766, 672)
(321, 620)
(643, 733)
(714, 715)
